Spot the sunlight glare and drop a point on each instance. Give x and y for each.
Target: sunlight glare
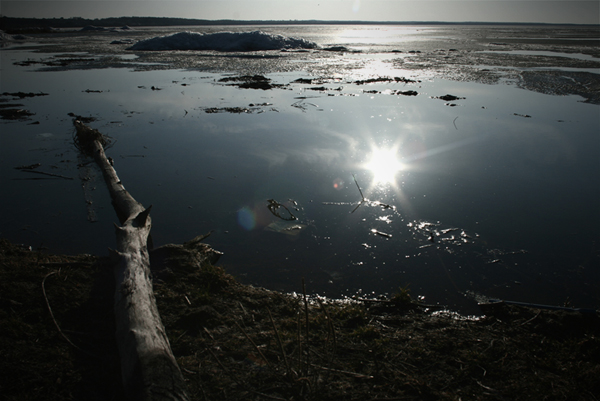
(384, 165)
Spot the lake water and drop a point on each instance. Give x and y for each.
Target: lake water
(495, 193)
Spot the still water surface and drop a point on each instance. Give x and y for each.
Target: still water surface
(495, 193)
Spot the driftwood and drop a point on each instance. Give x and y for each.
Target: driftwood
(148, 367)
(171, 259)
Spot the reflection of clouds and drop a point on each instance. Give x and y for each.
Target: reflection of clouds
(333, 147)
(443, 148)
(274, 158)
(323, 155)
(309, 155)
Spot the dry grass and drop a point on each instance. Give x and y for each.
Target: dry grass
(236, 342)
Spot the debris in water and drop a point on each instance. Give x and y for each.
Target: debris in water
(285, 228)
(380, 233)
(448, 97)
(29, 167)
(276, 208)
(234, 110)
(15, 114)
(251, 82)
(22, 95)
(385, 79)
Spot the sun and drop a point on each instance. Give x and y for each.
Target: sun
(383, 163)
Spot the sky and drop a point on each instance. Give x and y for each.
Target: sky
(557, 11)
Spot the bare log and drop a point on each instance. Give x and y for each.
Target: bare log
(148, 367)
(92, 142)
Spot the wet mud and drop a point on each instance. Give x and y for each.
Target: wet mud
(563, 83)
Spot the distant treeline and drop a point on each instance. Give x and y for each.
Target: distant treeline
(78, 22)
(10, 23)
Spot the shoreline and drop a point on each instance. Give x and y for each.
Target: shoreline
(228, 348)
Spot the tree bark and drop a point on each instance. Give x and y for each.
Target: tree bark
(148, 367)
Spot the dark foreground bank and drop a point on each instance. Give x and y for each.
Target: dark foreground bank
(236, 342)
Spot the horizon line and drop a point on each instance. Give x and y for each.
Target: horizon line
(311, 21)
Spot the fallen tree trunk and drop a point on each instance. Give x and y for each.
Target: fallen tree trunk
(148, 367)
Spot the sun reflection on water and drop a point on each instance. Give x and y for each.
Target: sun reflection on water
(384, 164)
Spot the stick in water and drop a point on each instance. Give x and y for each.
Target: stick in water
(361, 194)
(356, 182)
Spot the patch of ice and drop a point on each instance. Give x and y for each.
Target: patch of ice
(223, 41)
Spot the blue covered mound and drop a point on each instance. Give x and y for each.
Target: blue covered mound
(223, 41)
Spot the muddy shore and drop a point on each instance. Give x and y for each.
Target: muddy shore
(57, 341)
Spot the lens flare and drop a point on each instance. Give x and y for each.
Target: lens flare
(338, 184)
(246, 218)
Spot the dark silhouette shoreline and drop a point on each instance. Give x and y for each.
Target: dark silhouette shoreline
(12, 23)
